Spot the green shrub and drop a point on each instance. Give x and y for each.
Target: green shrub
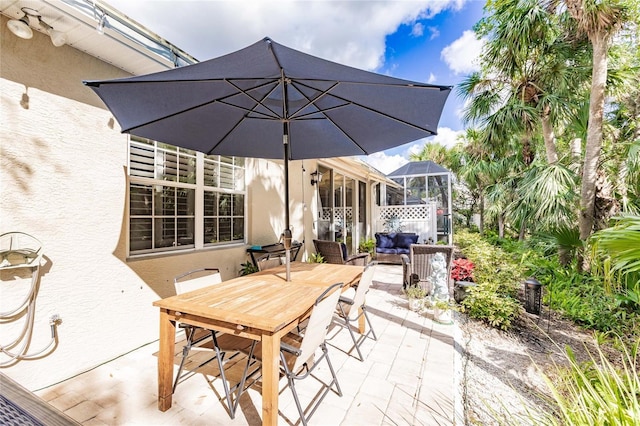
(485, 302)
(582, 297)
(497, 274)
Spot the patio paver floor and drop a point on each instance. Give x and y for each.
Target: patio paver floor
(407, 378)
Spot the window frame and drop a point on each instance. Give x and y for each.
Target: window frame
(193, 179)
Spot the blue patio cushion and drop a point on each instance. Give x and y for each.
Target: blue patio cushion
(385, 250)
(385, 240)
(404, 240)
(343, 246)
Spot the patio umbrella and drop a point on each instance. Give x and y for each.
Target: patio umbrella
(270, 101)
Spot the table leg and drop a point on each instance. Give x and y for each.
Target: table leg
(165, 360)
(362, 323)
(270, 376)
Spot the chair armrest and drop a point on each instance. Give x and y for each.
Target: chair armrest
(288, 348)
(357, 259)
(406, 270)
(346, 300)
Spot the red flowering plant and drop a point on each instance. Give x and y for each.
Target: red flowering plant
(462, 270)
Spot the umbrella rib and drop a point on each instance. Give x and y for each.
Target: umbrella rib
(248, 111)
(348, 102)
(257, 101)
(220, 100)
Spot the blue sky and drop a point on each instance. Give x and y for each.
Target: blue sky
(423, 40)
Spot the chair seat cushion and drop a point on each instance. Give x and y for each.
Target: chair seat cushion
(404, 240)
(386, 250)
(385, 240)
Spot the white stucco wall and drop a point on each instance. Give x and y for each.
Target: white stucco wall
(63, 180)
(265, 186)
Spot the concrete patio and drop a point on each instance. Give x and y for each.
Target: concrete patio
(408, 378)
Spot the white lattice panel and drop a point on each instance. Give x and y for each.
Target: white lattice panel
(339, 214)
(420, 219)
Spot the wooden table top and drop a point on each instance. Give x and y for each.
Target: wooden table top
(327, 273)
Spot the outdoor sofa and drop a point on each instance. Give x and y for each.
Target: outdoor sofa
(391, 245)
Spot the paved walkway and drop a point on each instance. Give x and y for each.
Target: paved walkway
(407, 378)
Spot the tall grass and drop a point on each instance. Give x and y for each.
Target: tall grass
(598, 392)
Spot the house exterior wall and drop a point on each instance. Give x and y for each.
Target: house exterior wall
(64, 181)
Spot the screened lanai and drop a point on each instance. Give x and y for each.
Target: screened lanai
(421, 203)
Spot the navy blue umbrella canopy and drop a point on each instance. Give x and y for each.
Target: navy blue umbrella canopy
(271, 101)
(244, 103)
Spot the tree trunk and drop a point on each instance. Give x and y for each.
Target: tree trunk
(594, 135)
(523, 231)
(549, 136)
(501, 226)
(575, 147)
(481, 210)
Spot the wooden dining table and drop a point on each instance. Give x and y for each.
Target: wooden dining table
(262, 306)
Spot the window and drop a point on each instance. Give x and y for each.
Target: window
(165, 184)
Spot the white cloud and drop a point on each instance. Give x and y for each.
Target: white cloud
(389, 163)
(435, 33)
(432, 78)
(386, 163)
(462, 55)
(349, 32)
(446, 137)
(417, 30)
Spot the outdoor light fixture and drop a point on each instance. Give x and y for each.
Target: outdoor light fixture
(532, 295)
(22, 27)
(316, 177)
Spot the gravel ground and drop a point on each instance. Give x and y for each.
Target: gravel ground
(504, 372)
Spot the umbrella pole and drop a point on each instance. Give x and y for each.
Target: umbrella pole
(287, 230)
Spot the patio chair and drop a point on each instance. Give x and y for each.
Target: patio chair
(198, 338)
(269, 261)
(335, 252)
(350, 309)
(417, 266)
(298, 353)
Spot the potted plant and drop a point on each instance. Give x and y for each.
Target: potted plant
(442, 311)
(462, 275)
(248, 268)
(415, 295)
(315, 258)
(367, 245)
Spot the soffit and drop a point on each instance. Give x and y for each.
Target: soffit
(125, 43)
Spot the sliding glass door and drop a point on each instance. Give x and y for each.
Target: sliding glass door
(341, 202)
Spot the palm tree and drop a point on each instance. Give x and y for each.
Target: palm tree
(599, 20)
(526, 77)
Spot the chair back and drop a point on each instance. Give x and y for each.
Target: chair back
(331, 251)
(363, 288)
(421, 259)
(196, 279)
(319, 321)
(269, 261)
